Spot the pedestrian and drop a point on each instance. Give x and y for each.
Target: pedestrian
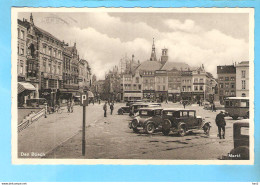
(166, 101)
(93, 101)
(221, 123)
(214, 107)
(68, 105)
(71, 105)
(99, 101)
(184, 104)
(105, 109)
(111, 108)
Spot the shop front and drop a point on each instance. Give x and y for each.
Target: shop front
(25, 91)
(132, 96)
(149, 95)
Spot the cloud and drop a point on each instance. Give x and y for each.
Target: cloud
(103, 40)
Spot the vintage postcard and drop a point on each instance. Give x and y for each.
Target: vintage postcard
(133, 86)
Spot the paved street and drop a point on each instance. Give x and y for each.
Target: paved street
(59, 136)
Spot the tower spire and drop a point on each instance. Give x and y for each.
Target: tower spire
(31, 19)
(153, 54)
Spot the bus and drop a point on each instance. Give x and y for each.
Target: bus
(237, 107)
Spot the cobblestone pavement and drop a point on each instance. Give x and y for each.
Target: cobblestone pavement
(110, 138)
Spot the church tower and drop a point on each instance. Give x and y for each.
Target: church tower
(164, 56)
(153, 54)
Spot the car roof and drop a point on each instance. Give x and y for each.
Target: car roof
(176, 109)
(151, 108)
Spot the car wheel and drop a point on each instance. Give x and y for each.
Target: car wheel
(182, 131)
(165, 132)
(120, 112)
(149, 128)
(135, 130)
(206, 129)
(234, 117)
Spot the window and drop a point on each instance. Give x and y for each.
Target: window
(21, 67)
(49, 68)
(134, 86)
(243, 84)
(226, 78)
(44, 49)
(232, 93)
(201, 80)
(196, 88)
(184, 114)
(232, 85)
(137, 79)
(158, 88)
(192, 114)
(243, 74)
(226, 92)
(226, 85)
(157, 112)
(49, 51)
(18, 31)
(146, 81)
(232, 78)
(221, 85)
(195, 80)
(164, 88)
(54, 69)
(201, 88)
(243, 95)
(22, 51)
(184, 88)
(220, 78)
(22, 34)
(44, 66)
(139, 87)
(189, 88)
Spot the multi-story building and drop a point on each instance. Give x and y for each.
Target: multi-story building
(186, 85)
(201, 84)
(22, 50)
(161, 85)
(226, 81)
(84, 75)
(174, 85)
(112, 85)
(242, 79)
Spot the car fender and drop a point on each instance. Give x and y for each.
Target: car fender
(131, 123)
(180, 124)
(147, 122)
(166, 126)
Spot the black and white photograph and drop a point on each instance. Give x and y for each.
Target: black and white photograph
(132, 86)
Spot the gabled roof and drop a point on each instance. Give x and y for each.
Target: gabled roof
(177, 65)
(47, 33)
(149, 66)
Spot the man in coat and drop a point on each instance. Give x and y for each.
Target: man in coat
(105, 109)
(221, 123)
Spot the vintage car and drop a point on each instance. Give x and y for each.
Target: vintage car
(149, 119)
(122, 110)
(182, 121)
(130, 102)
(134, 107)
(241, 141)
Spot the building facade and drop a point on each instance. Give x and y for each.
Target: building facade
(242, 79)
(226, 82)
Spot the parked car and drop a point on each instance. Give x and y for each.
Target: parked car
(122, 110)
(241, 141)
(129, 102)
(182, 121)
(134, 107)
(36, 102)
(149, 119)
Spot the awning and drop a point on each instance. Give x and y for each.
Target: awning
(90, 94)
(22, 86)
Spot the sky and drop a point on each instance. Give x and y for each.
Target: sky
(104, 38)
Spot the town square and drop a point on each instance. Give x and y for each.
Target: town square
(132, 86)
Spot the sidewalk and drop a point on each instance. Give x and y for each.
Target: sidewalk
(48, 133)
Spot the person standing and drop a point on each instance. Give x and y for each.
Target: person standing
(105, 109)
(184, 104)
(111, 108)
(68, 105)
(71, 105)
(221, 123)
